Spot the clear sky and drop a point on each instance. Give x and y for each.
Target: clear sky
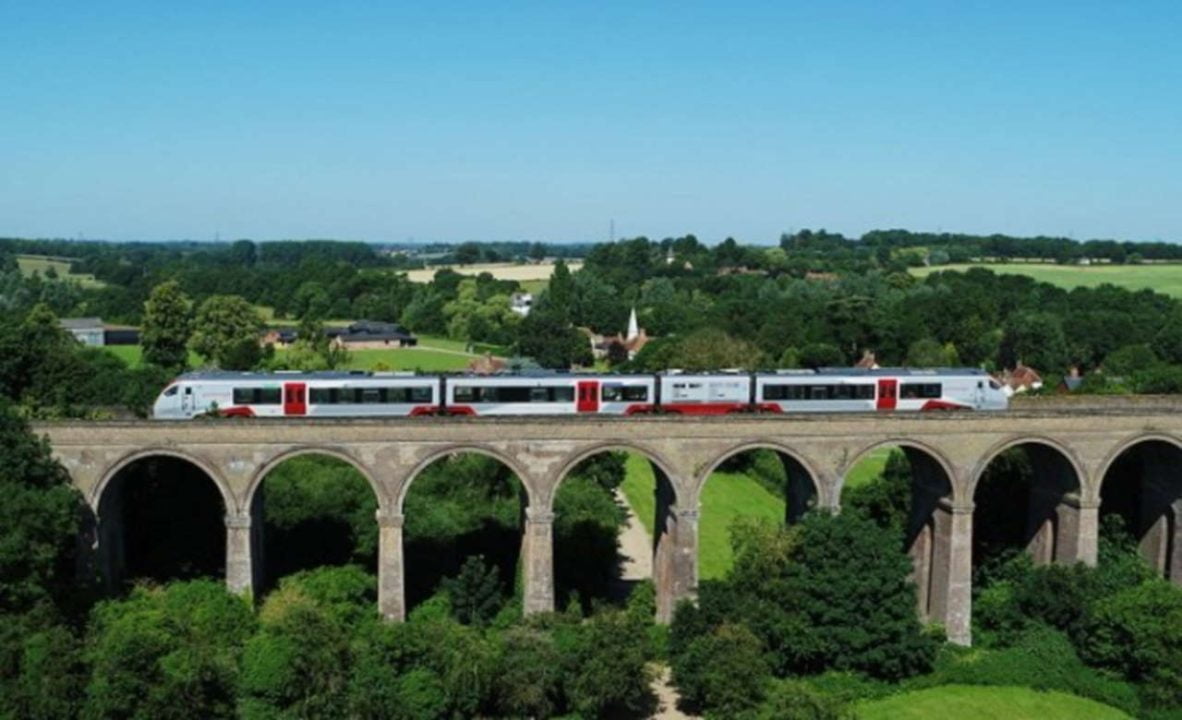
(450, 121)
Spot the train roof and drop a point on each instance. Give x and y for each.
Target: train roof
(362, 374)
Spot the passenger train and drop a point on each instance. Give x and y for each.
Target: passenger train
(378, 394)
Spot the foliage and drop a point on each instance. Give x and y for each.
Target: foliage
(42, 674)
(169, 652)
(796, 700)
(226, 332)
(605, 668)
(549, 339)
(586, 523)
(167, 326)
(843, 599)
(474, 594)
(887, 500)
(40, 518)
(722, 671)
(318, 511)
(531, 680)
(1138, 633)
(1040, 658)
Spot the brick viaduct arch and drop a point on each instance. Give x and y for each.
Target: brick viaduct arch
(949, 454)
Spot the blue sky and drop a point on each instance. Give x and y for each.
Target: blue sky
(545, 121)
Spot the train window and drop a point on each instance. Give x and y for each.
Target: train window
(462, 393)
(420, 394)
(171, 391)
(372, 395)
(626, 393)
(912, 391)
(257, 396)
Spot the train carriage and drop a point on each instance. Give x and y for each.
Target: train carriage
(549, 394)
(318, 394)
(884, 389)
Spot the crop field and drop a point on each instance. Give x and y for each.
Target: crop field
(41, 264)
(1166, 279)
(965, 702)
(528, 275)
(725, 497)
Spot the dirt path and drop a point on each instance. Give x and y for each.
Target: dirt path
(635, 546)
(636, 549)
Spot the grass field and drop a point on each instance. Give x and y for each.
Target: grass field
(424, 359)
(869, 468)
(502, 271)
(41, 264)
(985, 703)
(725, 497)
(1165, 279)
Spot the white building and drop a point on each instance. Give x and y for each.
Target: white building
(521, 303)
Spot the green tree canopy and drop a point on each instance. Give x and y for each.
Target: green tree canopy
(168, 322)
(226, 332)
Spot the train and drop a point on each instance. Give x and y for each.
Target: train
(395, 394)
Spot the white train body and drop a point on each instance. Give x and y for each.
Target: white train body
(355, 394)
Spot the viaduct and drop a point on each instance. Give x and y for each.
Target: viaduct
(1072, 445)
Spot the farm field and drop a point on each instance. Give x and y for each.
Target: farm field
(525, 274)
(1165, 279)
(985, 703)
(41, 264)
(725, 497)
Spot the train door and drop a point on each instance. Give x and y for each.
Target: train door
(588, 396)
(295, 399)
(979, 395)
(187, 403)
(888, 393)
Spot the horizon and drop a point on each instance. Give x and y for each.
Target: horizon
(558, 124)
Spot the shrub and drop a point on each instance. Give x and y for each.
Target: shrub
(1041, 658)
(796, 700)
(723, 672)
(474, 594)
(1138, 633)
(167, 652)
(831, 593)
(529, 683)
(606, 673)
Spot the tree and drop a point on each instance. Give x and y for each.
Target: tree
(1035, 339)
(167, 652)
(815, 355)
(475, 593)
(1167, 343)
(40, 519)
(226, 331)
(551, 341)
(722, 671)
(1138, 632)
(607, 673)
(928, 353)
(537, 252)
(468, 253)
(559, 298)
(168, 318)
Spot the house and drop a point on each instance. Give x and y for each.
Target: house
(1019, 380)
(367, 334)
(1071, 381)
(94, 332)
(632, 343)
(868, 361)
(486, 364)
(521, 303)
(280, 337)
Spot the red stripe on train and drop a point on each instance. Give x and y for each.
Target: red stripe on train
(704, 408)
(942, 405)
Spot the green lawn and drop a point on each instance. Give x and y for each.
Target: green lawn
(397, 359)
(869, 468)
(133, 355)
(725, 497)
(39, 263)
(1165, 279)
(985, 703)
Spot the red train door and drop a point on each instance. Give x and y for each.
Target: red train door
(295, 399)
(588, 396)
(888, 393)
